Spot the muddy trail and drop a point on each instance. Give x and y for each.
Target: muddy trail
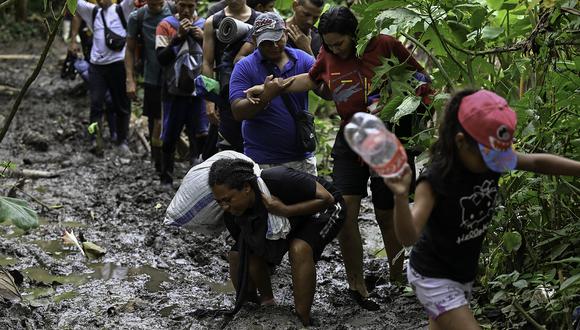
(152, 277)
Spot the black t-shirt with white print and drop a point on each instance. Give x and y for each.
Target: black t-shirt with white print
(450, 243)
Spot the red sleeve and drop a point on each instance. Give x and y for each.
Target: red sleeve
(163, 34)
(318, 72)
(400, 51)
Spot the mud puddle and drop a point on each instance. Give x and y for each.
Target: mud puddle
(151, 277)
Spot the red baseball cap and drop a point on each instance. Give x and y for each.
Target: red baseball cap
(488, 118)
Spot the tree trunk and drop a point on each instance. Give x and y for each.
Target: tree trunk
(21, 10)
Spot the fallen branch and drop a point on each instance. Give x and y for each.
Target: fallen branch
(143, 141)
(8, 89)
(527, 316)
(6, 57)
(41, 203)
(33, 174)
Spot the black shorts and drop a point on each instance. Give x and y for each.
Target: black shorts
(350, 175)
(317, 230)
(152, 101)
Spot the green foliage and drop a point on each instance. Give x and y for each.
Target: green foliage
(12, 30)
(71, 5)
(526, 51)
(18, 212)
(327, 123)
(6, 165)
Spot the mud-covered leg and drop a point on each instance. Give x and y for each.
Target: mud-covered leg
(303, 278)
(351, 246)
(392, 245)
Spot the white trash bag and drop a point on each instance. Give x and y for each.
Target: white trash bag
(194, 207)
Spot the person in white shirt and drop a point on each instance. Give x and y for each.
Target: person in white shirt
(107, 69)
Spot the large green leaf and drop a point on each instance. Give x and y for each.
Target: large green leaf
(407, 107)
(72, 6)
(390, 108)
(491, 32)
(93, 250)
(18, 211)
(574, 280)
(384, 4)
(478, 17)
(397, 19)
(498, 296)
(512, 241)
(494, 4)
(520, 284)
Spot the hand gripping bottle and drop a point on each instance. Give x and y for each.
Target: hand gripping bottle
(380, 149)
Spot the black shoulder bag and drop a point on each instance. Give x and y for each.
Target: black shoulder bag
(114, 41)
(305, 130)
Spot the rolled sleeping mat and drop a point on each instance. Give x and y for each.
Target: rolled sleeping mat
(232, 30)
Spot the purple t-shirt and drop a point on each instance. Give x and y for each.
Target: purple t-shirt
(270, 137)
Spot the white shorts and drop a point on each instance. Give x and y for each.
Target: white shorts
(307, 165)
(438, 295)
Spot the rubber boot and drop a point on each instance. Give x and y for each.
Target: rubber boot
(122, 127)
(111, 121)
(200, 141)
(156, 158)
(193, 152)
(167, 163)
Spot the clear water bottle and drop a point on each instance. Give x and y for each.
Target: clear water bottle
(380, 149)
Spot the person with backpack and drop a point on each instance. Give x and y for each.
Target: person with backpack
(107, 70)
(178, 42)
(219, 57)
(269, 129)
(79, 58)
(141, 29)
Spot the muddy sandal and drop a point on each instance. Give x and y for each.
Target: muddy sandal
(363, 302)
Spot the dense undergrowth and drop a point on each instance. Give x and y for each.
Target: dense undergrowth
(528, 52)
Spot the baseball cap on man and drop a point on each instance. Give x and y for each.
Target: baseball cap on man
(268, 27)
(488, 118)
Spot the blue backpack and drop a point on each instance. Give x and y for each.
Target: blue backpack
(180, 76)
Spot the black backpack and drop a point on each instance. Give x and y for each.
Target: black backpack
(140, 41)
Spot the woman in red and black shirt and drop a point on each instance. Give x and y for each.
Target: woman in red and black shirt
(348, 78)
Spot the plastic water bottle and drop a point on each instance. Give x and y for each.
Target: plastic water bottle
(380, 149)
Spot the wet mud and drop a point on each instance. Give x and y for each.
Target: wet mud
(152, 277)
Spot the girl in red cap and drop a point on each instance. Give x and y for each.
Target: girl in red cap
(454, 202)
